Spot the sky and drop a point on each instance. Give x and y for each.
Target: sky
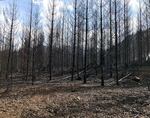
(24, 7)
(41, 5)
(134, 5)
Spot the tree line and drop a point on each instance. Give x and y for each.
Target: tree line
(95, 34)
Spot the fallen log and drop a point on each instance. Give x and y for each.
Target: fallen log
(125, 77)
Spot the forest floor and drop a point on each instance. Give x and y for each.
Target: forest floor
(65, 99)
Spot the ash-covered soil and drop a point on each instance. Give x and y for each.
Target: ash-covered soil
(75, 100)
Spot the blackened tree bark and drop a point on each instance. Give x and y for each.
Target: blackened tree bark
(140, 36)
(78, 47)
(36, 23)
(95, 41)
(29, 41)
(12, 18)
(147, 31)
(86, 43)
(62, 46)
(74, 41)
(110, 50)
(51, 41)
(101, 47)
(116, 45)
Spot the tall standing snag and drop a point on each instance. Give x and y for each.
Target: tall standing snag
(116, 44)
(51, 41)
(29, 41)
(74, 41)
(78, 46)
(86, 41)
(36, 24)
(12, 18)
(110, 47)
(101, 47)
(62, 42)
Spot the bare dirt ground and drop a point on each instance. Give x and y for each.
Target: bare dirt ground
(64, 99)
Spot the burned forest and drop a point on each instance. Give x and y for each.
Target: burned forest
(74, 58)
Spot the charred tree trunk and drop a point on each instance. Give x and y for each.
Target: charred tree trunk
(116, 45)
(101, 47)
(86, 43)
(10, 42)
(29, 42)
(110, 50)
(62, 46)
(74, 41)
(51, 42)
(147, 33)
(78, 47)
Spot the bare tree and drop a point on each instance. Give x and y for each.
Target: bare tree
(35, 39)
(110, 47)
(116, 44)
(74, 41)
(101, 47)
(147, 2)
(51, 40)
(62, 45)
(86, 42)
(10, 19)
(140, 54)
(29, 40)
(78, 46)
